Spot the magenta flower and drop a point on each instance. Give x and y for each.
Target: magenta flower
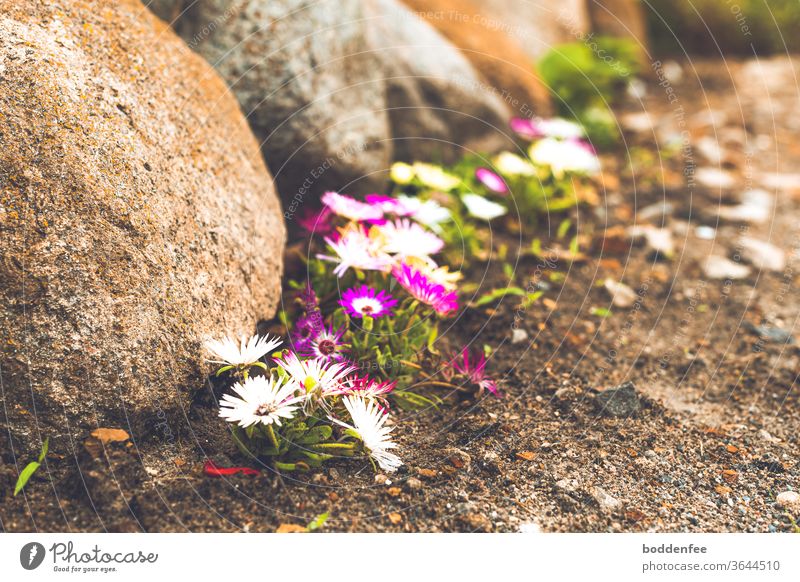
(424, 290)
(475, 370)
(305, 330)
(556, 127)
(351, 208)
(316, 221)
(389, 205)
(491, 180)
(356, 249)
(326, 344)
(362, 301)
(367, 387)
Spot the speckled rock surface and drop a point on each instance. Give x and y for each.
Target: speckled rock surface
(305, 78)
(439, 107)
(136, 218)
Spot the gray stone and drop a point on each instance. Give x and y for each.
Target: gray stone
(762, 254)
(309, 84)
(620, 402)
(721, 268)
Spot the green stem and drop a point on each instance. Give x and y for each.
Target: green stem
(272, 437)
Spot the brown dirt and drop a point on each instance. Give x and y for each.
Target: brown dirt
(715, 440)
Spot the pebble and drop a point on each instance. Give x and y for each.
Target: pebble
(530, 528)
(518, 336)
(659, 240)
(458, 458)
(772, 334)
(607, 502)
(621, 402)
(789, 500)
(705, 232)
(621, 295)
(717, 267)
(413, 483)
(715, 178)
(755, 208)
(767, 437)
(762, 255)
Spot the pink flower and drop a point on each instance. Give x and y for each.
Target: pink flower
(351, 208)
(475, 370)
(424, 290)
(356, 249)
(316, 221)
(556, 127)
(367, 387)
(389, 205)
(325, 344)
(366, 301)
(491, 180)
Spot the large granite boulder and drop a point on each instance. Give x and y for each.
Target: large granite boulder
(439, 107)
(136, 218)
(306, 80)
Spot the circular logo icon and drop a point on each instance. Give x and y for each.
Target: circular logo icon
(31, 555)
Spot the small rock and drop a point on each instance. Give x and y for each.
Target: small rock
(380, 479)
(414, 484)
(110, 435)
(518, 335)
(394, 491)
(526, 455)
(427, 473)
(291, 528)
(771, 334)
(762, 255)
(715, 178)
(658, 211)
(458, 458)
(607, 503)
(395, 518)
(621, 295)
(639, 122)
(659, 240)
(755, 208)
(717, 267)
(709, 149)
(620, 402)
(529, 528)
(705, 232)
(767, 437)
(789, 500)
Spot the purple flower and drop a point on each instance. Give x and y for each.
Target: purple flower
(351, 208)
(474, 368)
(389, 205)
(326, 345)
(424, 290)
(306, 329)
(491, 180)
(358, 302)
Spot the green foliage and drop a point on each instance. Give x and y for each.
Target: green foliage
(708, 27)
(31, 468)
(318, 521)
(589, 74)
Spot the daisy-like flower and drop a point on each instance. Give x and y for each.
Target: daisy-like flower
(306, 329)
(326, 344)
(565, 156)
(367, 387)
(555, 127)
(427, 212)
(365, 301)
(435, 273)
(357, 249)
(482, 208)
(317, 377)
(261, 399)
(247, 353)
(424, 290)
(491, 180)
(316, 221)
(511, 164)
(350, 207)
(368, 423)
(435, 177)
(474, 368)
(406, 238)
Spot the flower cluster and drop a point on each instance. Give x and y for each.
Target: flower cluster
(294, 412)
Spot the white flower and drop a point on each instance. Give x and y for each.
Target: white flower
(405, 238)
(356, 249)
(560, 128)
(262, 399)
(510, 164)
(317, 376)
(435, 177)
(350, 207)
(480, 207)
(428, 212)
(245, 354)
(565, 156)
(368, 422)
